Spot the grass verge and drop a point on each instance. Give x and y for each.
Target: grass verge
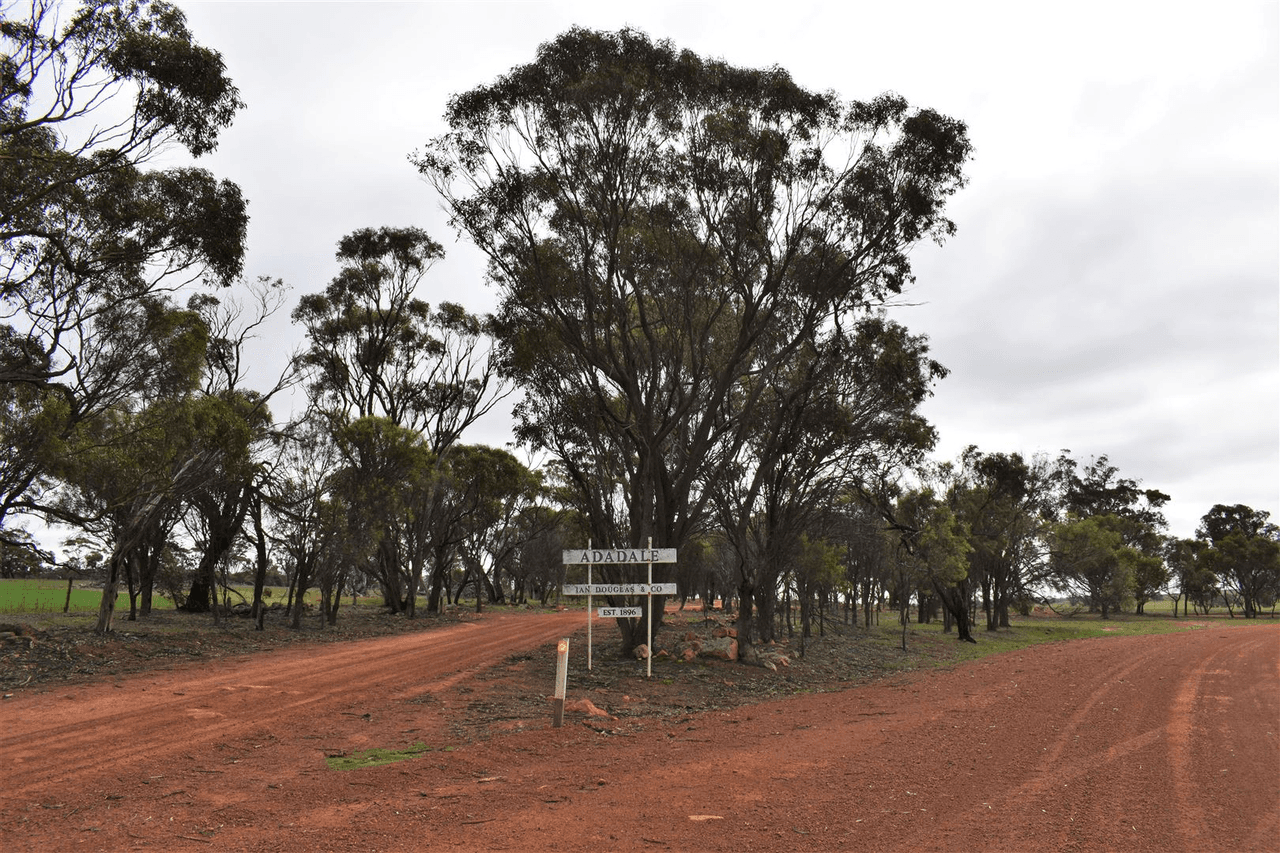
(1033, 631)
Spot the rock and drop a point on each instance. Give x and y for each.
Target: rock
(724, 648)
(586, 706)
(689, 655)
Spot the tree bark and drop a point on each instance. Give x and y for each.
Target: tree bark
(260, 565)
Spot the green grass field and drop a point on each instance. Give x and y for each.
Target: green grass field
(49, 595)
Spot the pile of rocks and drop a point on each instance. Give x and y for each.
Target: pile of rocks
(720, 643)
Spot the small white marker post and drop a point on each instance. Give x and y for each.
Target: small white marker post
(562, 677)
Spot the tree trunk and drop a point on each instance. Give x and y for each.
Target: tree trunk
(437, 586)
(415, 583)
(201, 592)
(746, 595)
(260, 565)
(147, 577)
(302, 581)
(107, 607)
(130, 585)
(331, 613)
(956, 600)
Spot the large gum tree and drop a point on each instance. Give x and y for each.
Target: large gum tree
(92, 241)
(663, 229)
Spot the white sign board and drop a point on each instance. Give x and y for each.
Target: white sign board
(617, 612)
(619, 589)
(614, 556)
(617, 557)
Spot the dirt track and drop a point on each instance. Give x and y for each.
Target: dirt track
(1168, 743)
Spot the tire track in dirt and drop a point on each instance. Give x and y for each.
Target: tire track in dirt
(184, 710)
(1139, 741)
(1069, 748)
(1186, 706)
(1119, 732)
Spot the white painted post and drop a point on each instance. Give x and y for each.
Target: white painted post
(589, 611)
(562, 677)
(649, 609)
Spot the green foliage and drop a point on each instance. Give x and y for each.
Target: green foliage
(1244, 552)
(668, 233)
(1191, 572)
(819, 562)
(934, 537)
(377, 350)
(1148, 575)
(1098, 491)
(91, 239)
(21, 556)
(1092, 561)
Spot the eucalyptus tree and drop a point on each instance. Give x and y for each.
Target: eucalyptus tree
(309, 521)
(376, 349)
(1099, 490)
(118, 489)
(1196, 583)
(662, 227)
(499, 521)
(1092, 562)
(384, 484)
(844, 409)
(1244, 551)
(815, 572)
(1109, 549)
(221, 507)
(24, 558)
(135, 471)
(1008, 503)
(394, 378)
(859, 529)
(537, 568)
(932, 549)
(91, 239)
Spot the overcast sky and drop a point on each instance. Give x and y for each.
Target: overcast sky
(1114, 286)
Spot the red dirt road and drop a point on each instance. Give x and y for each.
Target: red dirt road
(1166, 743)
